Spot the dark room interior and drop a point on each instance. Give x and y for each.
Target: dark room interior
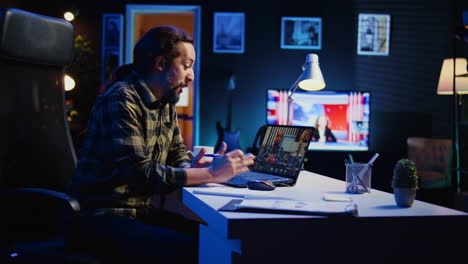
(402, 84)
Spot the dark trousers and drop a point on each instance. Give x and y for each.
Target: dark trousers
(115, 239)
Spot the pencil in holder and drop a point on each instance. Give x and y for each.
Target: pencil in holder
(358, 177)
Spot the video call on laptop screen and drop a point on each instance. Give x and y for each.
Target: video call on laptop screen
(282, 150)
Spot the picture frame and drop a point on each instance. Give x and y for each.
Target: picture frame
(373, 34)
(111, 59)
(112, 43)
(301, 33)
(229, 32)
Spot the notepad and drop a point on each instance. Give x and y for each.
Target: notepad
(237, 195)
(291, 207)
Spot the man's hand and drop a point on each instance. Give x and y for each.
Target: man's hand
(198, 162)
(224, 168)
(221, 169)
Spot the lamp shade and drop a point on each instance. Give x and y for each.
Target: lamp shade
(445, 86)
(311, 78)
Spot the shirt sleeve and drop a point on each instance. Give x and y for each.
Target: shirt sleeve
(122, 122)
(178, 151)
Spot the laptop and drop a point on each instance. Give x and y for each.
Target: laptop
(280, 157)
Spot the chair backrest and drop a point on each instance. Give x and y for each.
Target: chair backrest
(257, 140)
(433, 160)
(35, 143)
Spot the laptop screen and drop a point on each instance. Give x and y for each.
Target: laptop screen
(282, 150)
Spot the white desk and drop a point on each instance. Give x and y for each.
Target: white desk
(382, 230)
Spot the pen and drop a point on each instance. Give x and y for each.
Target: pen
(359, 179)
(206, 155)
(373, 159)
(212, 155)
(218, 155)
(359, 176)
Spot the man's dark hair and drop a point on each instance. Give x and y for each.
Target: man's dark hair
(158, 41)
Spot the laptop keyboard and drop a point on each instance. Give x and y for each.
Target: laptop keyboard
(247, 176)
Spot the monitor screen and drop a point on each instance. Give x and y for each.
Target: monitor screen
(340, 118)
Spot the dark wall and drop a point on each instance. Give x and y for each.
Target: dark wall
(403, 84)
(265, 65)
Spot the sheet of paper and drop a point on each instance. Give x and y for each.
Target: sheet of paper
(295, 205)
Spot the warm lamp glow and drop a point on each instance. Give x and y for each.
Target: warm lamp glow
(445, 86)
(312, 85)
(69, 16)
(69, 83)
(311, 78)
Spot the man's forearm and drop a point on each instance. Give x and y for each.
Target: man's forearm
(197, 176)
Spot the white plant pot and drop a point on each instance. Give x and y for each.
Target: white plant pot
(404, 197)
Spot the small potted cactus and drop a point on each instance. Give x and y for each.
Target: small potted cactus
(405, 182)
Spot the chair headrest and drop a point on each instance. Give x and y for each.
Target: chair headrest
(33, 38)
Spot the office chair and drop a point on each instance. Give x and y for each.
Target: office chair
(433, 160)
(36, 154)
(257, 140)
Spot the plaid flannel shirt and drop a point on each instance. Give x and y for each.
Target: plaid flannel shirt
(132, 150)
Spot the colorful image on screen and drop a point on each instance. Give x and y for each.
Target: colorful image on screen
(283, 150)
(340, 118)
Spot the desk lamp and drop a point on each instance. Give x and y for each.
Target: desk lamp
(311, 79)
(453, 80)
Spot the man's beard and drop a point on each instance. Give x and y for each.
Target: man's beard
(173, 96)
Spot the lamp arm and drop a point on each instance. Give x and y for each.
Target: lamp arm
(293, 89)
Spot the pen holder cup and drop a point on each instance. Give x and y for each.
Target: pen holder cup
(358, 178)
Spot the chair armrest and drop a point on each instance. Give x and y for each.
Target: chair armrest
(34, 214)
(29, 195)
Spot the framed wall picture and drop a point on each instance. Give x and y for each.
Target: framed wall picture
(229, 32)
(373, 34)
(112, 43)
(301, 33)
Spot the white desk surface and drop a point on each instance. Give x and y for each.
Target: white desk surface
(309, 187)
(227, 233)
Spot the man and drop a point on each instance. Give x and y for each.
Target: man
(133, 151)
(274, 153)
